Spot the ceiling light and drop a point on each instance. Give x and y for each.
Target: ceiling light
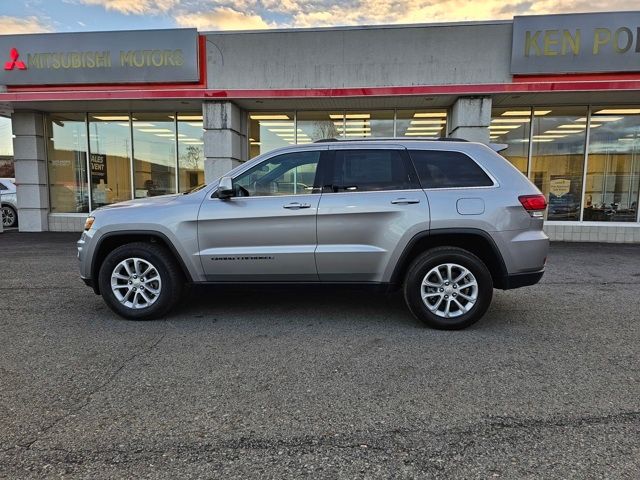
(111, 117)
(619, 111)
(426, 129)
(155, 130)
(500, 132)
(192, 143)
(357, 135)
(541, 140)
(276, 124)
(189, 117)
(350, 115)
(428, 122)
(601, 119)
(549, 136)
(164, 135)
(564, 131)
(256, 143)
(510, 120)
(502, 127)
(281, 130)
(516, 113)
(195, 124)
(269, 117)
(573, 127)
(415, 134)
(430, 114)
(538, 113)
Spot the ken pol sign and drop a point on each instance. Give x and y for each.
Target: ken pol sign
(576, 43)
(148, 56)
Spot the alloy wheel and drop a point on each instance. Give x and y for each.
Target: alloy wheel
(449, 290)
(136, 283)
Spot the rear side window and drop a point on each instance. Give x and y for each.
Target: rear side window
(369, 170)
(442, 169)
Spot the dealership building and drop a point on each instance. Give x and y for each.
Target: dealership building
(103, 117)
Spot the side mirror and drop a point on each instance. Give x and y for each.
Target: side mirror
(225, 188)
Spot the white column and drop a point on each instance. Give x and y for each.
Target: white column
(470, 119)
(31, 171)
(225, 138)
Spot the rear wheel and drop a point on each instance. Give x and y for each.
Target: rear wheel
(448, 288)
(9, 216)
(140, 281)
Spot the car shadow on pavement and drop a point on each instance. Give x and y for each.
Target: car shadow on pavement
(291, 304)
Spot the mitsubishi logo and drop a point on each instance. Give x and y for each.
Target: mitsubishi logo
(14, 62)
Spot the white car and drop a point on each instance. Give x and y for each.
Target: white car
(9, 202)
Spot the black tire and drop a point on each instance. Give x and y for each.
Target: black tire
(167, 268)
(423, 264)
(14, 215)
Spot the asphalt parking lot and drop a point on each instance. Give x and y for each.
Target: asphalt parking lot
(319, 384)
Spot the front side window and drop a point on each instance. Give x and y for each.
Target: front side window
(288, 174)
(442, 169)
(369, 170)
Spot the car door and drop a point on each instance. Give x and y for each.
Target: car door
(371, 205)
(267, 230)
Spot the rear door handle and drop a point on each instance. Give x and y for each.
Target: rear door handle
(296, 205)
(405, 201)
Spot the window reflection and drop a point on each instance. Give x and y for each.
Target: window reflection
(67, 161)
(313, 126)
(190, 151)
(613, 171)
(6, 148)
(269, 130)
(421, 123)
(557, 159)
(109, 158)
(154, 152)
(511, 126)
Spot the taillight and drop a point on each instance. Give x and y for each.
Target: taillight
(534, 204)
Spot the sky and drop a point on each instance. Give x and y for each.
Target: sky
(32, 16)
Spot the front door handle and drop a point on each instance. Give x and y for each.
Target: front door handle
(296, 205)
(405, 201)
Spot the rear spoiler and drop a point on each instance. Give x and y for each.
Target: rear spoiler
(498, 147)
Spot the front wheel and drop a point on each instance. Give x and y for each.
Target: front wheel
(448, 288)
(9, 217)
(140, 281)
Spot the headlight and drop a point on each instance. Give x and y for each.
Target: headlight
(88, 223)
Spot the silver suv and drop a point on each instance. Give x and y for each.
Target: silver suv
(446, 221)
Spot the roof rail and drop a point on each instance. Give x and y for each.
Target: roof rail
(375, 139)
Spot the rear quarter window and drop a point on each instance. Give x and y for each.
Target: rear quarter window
(443, 169)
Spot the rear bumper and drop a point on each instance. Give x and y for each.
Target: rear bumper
(518, 280)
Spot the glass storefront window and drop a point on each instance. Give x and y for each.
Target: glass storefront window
(269, 130)
(6, 148)
(314, 126)
(613, 168)
(421, 123)
(67, 161)
(190, 151)
(511, 126)
(109, 158)
(366, 124)
(557, 159)
(154, 154)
